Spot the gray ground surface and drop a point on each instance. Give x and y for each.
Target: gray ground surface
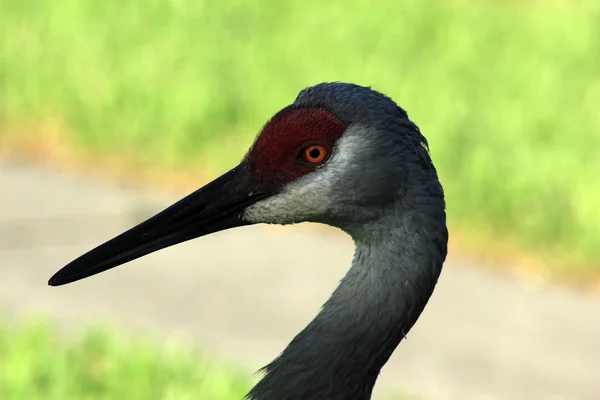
(243, 294)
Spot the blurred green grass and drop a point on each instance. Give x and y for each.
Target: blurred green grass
(506, 92)
(35, 363)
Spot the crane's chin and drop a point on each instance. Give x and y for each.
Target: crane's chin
(215, 207)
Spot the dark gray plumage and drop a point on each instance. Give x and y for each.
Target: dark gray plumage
(381, 188)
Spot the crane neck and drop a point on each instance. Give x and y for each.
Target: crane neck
(340, 353)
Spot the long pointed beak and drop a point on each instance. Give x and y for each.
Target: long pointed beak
(215, 207)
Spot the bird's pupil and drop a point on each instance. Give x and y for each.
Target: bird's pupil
(314, 153)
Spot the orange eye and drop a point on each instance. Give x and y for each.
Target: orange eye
(315, 154)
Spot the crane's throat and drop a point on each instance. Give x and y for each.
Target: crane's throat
(376, 304)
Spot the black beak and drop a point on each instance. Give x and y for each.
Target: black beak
(215, 207)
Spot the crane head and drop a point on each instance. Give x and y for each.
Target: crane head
(338, 155)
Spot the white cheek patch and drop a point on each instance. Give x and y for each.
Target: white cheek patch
(298, 201)
(310, 196)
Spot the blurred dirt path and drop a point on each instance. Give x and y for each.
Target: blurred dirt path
(243, 294)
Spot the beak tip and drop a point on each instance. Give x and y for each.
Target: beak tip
(56, 281)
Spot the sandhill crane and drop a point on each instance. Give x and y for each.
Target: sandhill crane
(342, 155)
